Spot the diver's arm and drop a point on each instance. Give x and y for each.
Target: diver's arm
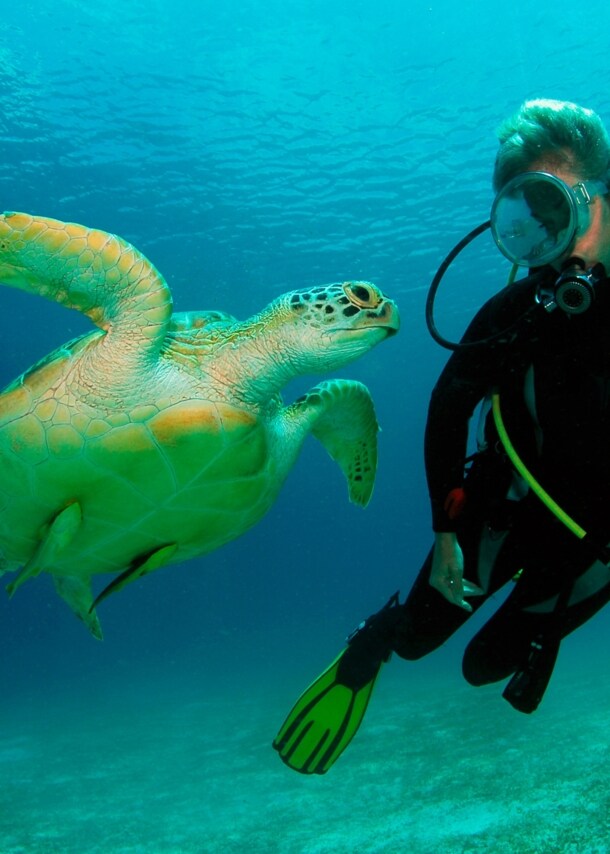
(468, 376)
(461, 386)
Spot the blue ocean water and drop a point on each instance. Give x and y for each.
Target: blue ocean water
(249, 148)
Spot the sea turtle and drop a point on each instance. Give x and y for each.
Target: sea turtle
(161, 436)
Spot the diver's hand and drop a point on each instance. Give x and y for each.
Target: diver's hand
(447, 573)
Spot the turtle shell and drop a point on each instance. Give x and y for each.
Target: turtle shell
(194, 472)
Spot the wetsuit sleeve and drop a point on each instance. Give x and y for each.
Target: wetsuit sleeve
(461, 385)
(467, 378)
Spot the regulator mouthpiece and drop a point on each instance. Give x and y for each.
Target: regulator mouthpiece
(574, 291)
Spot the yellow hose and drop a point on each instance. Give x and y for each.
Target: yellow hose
(526, 474)
(513, 274)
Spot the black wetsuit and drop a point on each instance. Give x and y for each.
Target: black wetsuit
(553, 374)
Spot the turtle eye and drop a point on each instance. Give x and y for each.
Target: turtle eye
(362, 294)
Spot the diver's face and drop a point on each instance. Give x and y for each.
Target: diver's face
(593, 245)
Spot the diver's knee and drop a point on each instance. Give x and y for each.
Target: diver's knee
(411, 646)
(473, 673)
(411, 651)
(484, 663)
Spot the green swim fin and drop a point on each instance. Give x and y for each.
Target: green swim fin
(327, 715)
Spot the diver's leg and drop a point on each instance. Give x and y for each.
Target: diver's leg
(499, 648)
(427, 619)
(589, 595)
(504, 643)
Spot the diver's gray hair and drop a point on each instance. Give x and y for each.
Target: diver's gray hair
(559, 131)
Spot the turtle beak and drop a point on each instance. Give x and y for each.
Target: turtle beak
(394, 318)
(386, 317)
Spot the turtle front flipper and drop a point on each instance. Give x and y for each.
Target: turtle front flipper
(93, 272)
(340, 413)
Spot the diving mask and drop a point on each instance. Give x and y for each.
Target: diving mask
(536, 217)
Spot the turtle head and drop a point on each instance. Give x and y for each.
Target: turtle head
(334, 324)
(307, 331)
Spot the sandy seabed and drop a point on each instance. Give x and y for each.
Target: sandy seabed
(436, 767)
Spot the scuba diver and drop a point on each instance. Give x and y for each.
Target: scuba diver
(531, 505)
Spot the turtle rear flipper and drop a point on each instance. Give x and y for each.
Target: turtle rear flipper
(57, 535)
(76, 592)
(136, 570)
(340, 413)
